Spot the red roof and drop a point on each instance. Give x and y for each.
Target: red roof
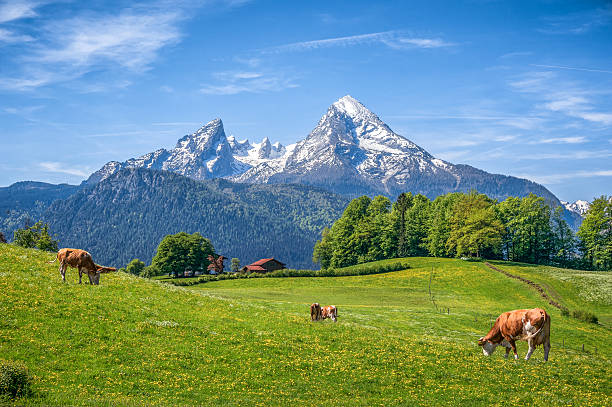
(255, 268)
(264, 261)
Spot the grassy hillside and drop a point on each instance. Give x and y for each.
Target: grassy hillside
(131, 341)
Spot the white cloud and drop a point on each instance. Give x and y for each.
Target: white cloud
(572, 68)
(561, 140)
(580, 22)
(561, 96)
(14, 10)
(234, 82)
(7, 36)
(393, 39)
(128, 39)
(558, 178)
(63, 169)
(516, 54)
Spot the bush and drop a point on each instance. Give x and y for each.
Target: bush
(358, 270)
(150, 271)
(565, 312)
(585, 316)
(15, 380)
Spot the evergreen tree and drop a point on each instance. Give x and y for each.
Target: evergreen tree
(401, 206)
(235, 265)
(36, 236)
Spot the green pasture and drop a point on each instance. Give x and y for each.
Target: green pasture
(132, 341)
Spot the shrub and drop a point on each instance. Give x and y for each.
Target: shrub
(585, 316)
(15, 380)
(565, 312)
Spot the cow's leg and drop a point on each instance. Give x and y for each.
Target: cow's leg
(62, 270)
(507, 352)
(546, 348)
(513, 344)
(531, 349)
(80, 275)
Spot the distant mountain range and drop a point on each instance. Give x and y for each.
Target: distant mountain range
(350, 151)
(252, 199)
(580, 207)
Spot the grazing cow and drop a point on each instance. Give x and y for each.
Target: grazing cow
(531, 325)
(318, 313)
(315, 312)
(329, 312)
(81, 260)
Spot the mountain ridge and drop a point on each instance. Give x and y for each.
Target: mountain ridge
(351, 151)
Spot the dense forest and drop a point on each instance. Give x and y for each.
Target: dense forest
(23, 203)
(127, 215)
(466, 225)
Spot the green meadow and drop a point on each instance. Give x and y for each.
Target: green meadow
(132, 341)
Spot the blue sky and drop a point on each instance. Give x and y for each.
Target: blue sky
(511, 87)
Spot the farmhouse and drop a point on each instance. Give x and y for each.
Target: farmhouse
(264, 266)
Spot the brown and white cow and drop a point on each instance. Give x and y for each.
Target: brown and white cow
(531, 325)
(81, 260)
(318, 313)
(329, 312)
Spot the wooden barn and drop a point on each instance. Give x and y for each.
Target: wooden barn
(264, 266)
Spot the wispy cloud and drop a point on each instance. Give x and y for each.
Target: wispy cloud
(57, 167)
(561, 140)
(558, 178)
(130, 40)
(393, 39)
(572, 68)
(14, 10)
(9, 37)
(573, 155)
(234, 82)
(516, 54)
(524, 122)
(557, 95)
(578, 22)
(124, 42)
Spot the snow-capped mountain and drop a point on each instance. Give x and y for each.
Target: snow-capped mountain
(205, 154)
(580, 207)
(350, 151)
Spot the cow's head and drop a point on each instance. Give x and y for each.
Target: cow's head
(488, 347)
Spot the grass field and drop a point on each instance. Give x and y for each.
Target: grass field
(132, 341)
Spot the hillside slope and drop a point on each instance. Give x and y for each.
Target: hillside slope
(25, 202)
(127, 215)
(132, 341)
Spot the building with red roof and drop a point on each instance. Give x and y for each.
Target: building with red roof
(264, 266)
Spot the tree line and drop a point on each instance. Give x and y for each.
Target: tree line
(467, 225)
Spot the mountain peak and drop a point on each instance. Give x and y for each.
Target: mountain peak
(351, 106)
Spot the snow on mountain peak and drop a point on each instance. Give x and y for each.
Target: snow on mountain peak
(581, 207)
(351, 106)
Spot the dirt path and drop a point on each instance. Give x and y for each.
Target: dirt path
(531, 283)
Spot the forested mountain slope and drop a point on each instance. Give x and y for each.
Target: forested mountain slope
(126, 216)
